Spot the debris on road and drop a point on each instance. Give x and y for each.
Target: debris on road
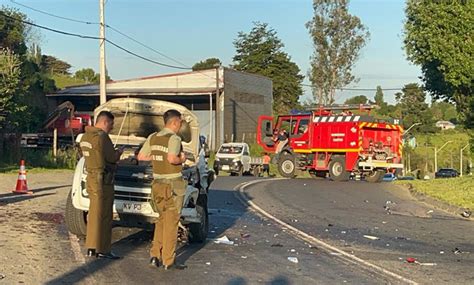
(330, 225)
(243, 257)
(276, 245)
(371, 237)
(441, 252)
(430, 212)
(208, 263)
(2, 276)
(335, 253)
(293, 250)
(411, 260)
(223, 240)
(293, 259)
(466, 214)
(244, 235)
(343, 232)
(458, 251)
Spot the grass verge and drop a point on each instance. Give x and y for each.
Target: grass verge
(454, 191)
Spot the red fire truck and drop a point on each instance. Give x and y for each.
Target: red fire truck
(333, 140)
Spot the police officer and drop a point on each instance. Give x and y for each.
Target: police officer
(164, 150)
(100, 159)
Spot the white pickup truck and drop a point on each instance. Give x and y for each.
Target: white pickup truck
(235, 159)
(135, 119)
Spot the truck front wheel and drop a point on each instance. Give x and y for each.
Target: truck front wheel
(286, 165)
(198, 231)
(76, 220)
(337, 169)
(375, 176)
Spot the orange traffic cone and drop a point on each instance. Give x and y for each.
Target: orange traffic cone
(21, 186)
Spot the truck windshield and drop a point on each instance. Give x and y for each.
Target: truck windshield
(230, 149)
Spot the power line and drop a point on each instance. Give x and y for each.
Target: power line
(357, 89)
(94, 38)
(53, 15)
(144, 58)
(107, 26)
(51, 29)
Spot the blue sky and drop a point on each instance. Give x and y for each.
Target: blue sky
(192, 30)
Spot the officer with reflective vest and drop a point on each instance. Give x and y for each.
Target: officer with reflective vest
(164, 150)
(100, 161)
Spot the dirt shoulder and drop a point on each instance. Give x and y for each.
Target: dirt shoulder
(33, 237)
(454, 195)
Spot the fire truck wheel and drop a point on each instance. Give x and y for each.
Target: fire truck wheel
(286, 165)
(337, 169)
(375, 176)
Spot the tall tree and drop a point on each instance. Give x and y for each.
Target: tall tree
(89, 76)
(207, 64)
(360, 99)
(414, 109)
(379, 101)
(261, 52)
(337, 38)
(54, 65)
(438, 37)
(13, 33)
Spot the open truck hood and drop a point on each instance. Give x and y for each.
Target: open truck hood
(136, 119)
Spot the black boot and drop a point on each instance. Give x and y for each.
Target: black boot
(109, 255)
(175, 266)
(90, 252)
(154, 261)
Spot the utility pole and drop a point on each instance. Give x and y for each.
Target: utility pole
(460, 163)
(218, 109)
(436, 154)
(103, 94)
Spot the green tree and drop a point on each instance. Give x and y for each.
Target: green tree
(444, 111)
(31, 105)
(12, 32)
(207, 64)
(337, 38)
(88, 75)
(10, 86)
(261, 52)
(54, 65)
(360, 99)
(414, 109)
(438, 37)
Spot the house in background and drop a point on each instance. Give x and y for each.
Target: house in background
(445, 125)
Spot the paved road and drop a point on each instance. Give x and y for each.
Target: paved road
(262, 257)
(342, 213)
(36, 247)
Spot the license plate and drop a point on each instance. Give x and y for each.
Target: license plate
(225, 167)
(133, 207)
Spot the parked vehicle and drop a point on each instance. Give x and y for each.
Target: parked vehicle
(325, 142)
(446, 173)
(135, 120)
(67, 123)
(389, 177)
(235, 159)
(406, 178)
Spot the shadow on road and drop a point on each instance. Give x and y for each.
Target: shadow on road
(8, 195)
(21, 198)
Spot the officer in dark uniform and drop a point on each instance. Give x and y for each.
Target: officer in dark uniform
(100, 160)
(164, 150)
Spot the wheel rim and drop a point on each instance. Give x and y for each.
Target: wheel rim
(288, 166)
(337, 169)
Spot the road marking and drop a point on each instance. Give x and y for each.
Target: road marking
(313, 240)
(76, 248)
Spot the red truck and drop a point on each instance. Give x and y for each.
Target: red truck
(66, 121)
(333, 140)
